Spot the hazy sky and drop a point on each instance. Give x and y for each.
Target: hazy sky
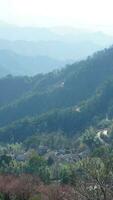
(57, 12)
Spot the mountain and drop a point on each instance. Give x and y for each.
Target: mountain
(32, 50)
(16, 64)
(61, 49)
(13, 32)
(69, 100)
(55, 42)
(71, 120)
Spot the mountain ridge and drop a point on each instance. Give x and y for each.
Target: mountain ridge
(72, 95)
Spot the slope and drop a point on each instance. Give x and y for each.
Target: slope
(62, 89)
(70, 120)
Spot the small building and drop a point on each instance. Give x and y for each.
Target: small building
(22, 157)
(42, 150)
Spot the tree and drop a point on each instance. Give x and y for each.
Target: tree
(95, 180)
(38, 166)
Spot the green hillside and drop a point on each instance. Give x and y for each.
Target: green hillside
(62, 89)
(69, 100)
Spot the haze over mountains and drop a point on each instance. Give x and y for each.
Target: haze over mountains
(48, 48)
(18, 64)
(42, 99)
(56, 100)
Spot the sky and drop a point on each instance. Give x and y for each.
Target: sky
(81, 13)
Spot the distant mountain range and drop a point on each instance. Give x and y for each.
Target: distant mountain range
(62, 49)
(15, 64)
(63, 44)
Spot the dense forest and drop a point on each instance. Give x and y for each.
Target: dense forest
(85, 86)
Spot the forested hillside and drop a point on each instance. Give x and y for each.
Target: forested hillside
(61, 89)
(69, 100)
(70, 120)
